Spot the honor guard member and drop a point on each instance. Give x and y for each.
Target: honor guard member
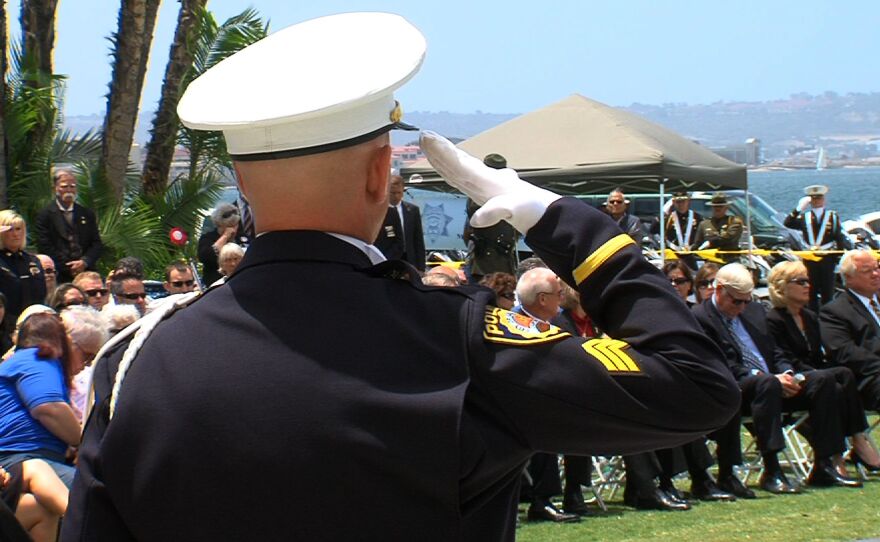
(721, 231)
(263, 411)
(680, 226)
(491, 249)
(822, 231)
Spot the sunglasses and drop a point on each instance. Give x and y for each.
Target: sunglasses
(679, 281)
(615, 202)
(508, 296)
(800, 282)
(63, 306)
(736, 301)
(704, 284)
(48, 270)
(181, 283)
(96, 292)
(133, 297)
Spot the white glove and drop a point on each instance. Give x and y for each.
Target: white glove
(803, 204)
(667, 206)
(502, 194)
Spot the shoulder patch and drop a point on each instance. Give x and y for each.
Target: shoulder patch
(612, 354)
(507, 327)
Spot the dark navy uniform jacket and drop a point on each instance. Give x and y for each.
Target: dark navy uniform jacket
(314, 398)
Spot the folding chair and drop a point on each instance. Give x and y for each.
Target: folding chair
(863, 473)
(797, 454)
(608, 477)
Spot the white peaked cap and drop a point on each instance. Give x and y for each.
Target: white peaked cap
(321, 84)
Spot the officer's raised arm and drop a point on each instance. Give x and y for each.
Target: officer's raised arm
(657, 380)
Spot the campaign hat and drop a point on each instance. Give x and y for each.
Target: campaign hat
(316, 86)
(718, 200)
(495, 161)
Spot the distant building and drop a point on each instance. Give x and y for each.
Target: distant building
(407, 154)
(747, 154)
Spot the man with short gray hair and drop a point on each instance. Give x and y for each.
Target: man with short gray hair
(770, 386)
(68, 232)
(850, 324)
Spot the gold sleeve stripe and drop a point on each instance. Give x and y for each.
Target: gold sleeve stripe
(610, 353)
(597, 258)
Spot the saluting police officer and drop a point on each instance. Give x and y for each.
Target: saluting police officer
(323, 394)
(721, 231)
(822, 230)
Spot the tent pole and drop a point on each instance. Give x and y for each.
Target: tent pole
(662, 221)
(749, 227)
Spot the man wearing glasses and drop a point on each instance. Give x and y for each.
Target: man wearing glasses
(49, 272)
(91, 283)
(850, 325)
(179, 278)
(822, 231)
(616, 206)
(769, 387)
(128, 289)
(67, 231)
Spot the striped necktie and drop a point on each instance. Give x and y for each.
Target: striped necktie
(876, 308)
(752, 359)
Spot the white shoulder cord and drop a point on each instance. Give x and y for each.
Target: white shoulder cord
(141, 329)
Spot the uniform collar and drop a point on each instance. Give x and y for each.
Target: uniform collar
(303, 245)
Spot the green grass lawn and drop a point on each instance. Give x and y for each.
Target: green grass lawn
(817, 514)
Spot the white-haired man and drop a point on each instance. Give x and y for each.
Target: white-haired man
(850, 324)
(432, 428)
(769, 387)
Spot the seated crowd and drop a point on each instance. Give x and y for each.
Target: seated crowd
(49, 335)
(787, 359)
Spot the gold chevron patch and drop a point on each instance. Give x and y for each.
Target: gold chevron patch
(612, 354)
(507, 327)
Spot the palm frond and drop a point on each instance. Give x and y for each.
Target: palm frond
(133, 230)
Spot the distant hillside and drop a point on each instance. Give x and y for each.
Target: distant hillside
(802, 117)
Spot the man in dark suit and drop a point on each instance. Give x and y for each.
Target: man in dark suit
(68, 232)
(431, 429)
(769, 386)
(850, 324)
(401, 235)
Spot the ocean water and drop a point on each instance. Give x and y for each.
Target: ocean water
(852, 192)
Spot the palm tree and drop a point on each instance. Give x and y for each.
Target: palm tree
(38, 32)
(207, 150)
(131, 51)
(4, 38)
(160, 149)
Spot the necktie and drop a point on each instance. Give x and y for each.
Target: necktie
(876, 308)
(751, 358)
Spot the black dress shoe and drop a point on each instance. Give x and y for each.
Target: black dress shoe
(731, 484)
(824, 474)
(545, 511)
(708, 490)
(777, 483)
(573, 503)
(658, 500)
(674, 494)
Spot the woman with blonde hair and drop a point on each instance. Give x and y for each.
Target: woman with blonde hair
(795, 329)
(21, 274)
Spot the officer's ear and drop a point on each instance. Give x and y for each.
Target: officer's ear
(378, 174)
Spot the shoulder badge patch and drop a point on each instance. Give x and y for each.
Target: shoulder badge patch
(612, 353)
(506, 327)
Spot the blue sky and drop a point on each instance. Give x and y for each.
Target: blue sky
(514, 56)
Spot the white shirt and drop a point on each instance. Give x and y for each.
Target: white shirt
(373, 253)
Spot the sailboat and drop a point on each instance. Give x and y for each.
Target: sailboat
(821, 160)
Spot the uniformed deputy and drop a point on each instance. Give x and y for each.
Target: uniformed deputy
(320, 394)
(21, 275)
(721, 231)
(822, 231)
